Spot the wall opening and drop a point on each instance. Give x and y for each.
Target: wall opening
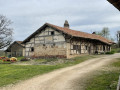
(52, 33)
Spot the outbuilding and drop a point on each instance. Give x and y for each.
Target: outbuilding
(15, 49)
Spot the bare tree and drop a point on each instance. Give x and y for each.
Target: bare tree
(5, 32)
(105, 32)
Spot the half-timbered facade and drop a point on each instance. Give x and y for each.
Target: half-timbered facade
(51, 40)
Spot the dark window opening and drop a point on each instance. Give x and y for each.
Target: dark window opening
(52, 33)
(32, 49)
(43, 44)
(76, 47)
(52, 46)
(109, 48)
(103, 48)
(86, 47)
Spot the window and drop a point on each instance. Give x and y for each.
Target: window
(103, 48)
(32, 49)
(52, 46)
(75, 47)
(43, 44)
(52, 33)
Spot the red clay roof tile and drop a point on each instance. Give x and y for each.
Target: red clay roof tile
(81, 34)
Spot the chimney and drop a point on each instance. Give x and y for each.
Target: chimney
(94, 33)
(66, 24)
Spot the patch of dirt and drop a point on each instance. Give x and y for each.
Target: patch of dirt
(65, 78)
(34, 62)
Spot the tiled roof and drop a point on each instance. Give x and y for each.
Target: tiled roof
(81, 34)
(71, 32)
(18, 42)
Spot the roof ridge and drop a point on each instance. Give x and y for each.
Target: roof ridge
(71, 31)
(74, 33)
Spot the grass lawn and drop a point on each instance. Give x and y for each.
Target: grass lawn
(10, 74)
(107, 80)
(117, 50)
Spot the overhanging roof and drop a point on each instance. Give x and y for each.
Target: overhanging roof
(115, 3)
(73, 33)
(18, 42)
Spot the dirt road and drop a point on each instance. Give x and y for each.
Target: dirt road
(63, 79)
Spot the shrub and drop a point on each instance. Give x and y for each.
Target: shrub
(25, 59)
(111, 52)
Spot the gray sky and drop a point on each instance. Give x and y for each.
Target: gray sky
(83, 15)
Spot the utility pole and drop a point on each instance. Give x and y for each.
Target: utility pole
(118, 38)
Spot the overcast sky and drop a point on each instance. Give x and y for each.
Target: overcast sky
(83, 15)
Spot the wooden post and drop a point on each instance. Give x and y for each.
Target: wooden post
(118, 86)
(11, 51)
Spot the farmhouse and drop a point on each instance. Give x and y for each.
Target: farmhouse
(51, 40)
(16, 49)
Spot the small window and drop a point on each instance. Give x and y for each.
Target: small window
(52, 33)
(32, 49)
(75, 47)
(52, 46)
(43, 44)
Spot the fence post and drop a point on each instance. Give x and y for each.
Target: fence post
(118, 86)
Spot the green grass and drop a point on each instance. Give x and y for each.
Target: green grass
(4, 62)
(13, 73)
(10, 74)
(107, 80)
(19, 58)
(111, 52)
(117, 50)
(117, 63)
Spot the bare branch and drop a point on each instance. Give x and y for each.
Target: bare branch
(5, 32)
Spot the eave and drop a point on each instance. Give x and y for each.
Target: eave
(115, 3)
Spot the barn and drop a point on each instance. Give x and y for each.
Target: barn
(15, 49)
(51, 40)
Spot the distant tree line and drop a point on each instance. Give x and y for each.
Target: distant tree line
(105, 32)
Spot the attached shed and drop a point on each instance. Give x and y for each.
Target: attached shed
(51, 40)
(16, 49)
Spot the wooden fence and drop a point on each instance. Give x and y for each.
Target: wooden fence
(118, 86)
